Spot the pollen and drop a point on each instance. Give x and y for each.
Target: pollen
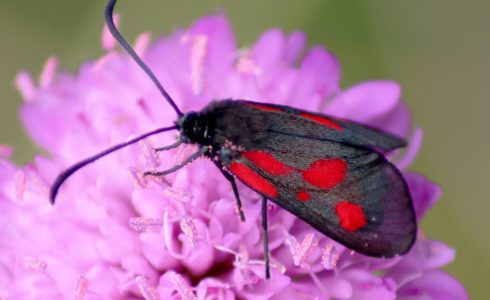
(330, 257)
(82, 288)
(143, 224)
(199, 49)
(178, 194)
(147, 291)
(301, 252)
(182, 287)
(151, 157)
(247, 65)
(139, 180)
(188, 227)
(35, 264)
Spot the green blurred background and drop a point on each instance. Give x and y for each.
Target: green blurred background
(438, 51)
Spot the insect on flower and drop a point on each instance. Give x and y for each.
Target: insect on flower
(329, 172)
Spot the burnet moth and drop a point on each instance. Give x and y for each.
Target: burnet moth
(329, 172)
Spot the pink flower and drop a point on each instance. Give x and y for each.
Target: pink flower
(114, 234)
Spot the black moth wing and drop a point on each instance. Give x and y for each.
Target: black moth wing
(351, 132)
(270, 147)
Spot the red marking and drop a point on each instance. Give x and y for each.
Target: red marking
(303, 196)
(325, 173)
(264, 107)
(351, 217)
(253, 179)
(267, 162)
(322, 120)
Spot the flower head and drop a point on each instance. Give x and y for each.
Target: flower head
(116, 234)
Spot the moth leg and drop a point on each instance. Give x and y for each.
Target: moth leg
(190, 159)
(265, 238)
(231, 179)
(174, 145)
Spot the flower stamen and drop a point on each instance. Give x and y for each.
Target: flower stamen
(178, 194)
(188, 227)
(147, 291)
(139, 180)
(20, 183)
(107, 40)
(330, 257)
(48, 72)
(142, 42)
(35, 264)
(151, 157)
(25, 85)
(199, 48)
(301, 252)
(82, 287)
(168, 236)
(182, 287)
(246, 64)
(143, 224)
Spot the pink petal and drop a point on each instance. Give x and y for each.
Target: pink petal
(435, 284)
(366, 101)
(108, 41)
(269, 49)
(25, 85)
(425, 255)
(295, 44)
(142, 43)
(318, 78)
(367, 286)
(6, 151)
(412, 150)
(221, 45)
(424, 193)
(49, 71)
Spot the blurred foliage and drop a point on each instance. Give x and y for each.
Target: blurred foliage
(438, 51)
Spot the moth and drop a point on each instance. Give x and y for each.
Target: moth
(329, 172)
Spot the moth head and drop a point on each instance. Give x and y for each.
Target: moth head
(194, 128)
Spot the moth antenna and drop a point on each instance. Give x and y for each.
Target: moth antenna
(71, 170)
(109, 19)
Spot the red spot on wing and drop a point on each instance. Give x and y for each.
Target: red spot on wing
(351, 216)
(322, 120)
(267, 162)
(325, 173)
(264, 107)
(253, 179)
(303, 196)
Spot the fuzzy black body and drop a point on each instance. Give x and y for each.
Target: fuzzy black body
(281, 152)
